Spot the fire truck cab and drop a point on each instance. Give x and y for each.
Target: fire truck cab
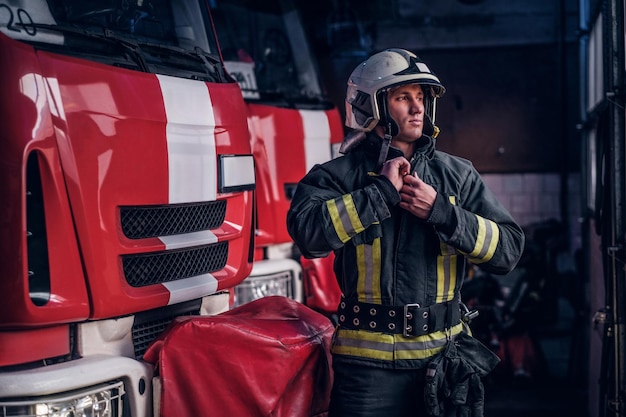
(293, 126)
(127, 195)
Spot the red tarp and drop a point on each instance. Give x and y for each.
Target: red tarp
(321, 290)
(269, 357)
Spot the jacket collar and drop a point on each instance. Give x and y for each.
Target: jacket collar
(373, 142)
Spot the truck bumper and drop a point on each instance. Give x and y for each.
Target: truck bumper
(47, 382)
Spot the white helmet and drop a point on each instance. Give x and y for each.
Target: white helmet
(365, 102)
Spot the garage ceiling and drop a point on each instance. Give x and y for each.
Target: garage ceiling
(473, 23)
(436, 24)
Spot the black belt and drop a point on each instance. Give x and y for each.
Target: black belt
(408, 320)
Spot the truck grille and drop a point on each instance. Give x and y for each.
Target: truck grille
(150, 324)
(145, 269)
(141, 222)
(145, 333)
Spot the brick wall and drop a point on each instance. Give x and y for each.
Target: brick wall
(533, 198)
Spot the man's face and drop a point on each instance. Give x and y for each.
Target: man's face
(406, 107)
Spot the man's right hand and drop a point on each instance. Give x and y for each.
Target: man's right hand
(395, 170)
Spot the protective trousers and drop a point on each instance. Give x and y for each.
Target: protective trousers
(364, 391)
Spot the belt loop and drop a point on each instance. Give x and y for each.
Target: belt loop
(450, 305)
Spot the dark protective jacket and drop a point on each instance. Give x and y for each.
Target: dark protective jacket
(386, 256)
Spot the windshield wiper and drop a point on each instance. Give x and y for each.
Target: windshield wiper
(211, 62)
(101, 37)
(211, 65)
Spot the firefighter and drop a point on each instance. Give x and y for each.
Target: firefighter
(402, 219)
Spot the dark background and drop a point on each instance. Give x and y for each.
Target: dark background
(510, 68)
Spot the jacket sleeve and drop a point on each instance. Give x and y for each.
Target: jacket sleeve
(479, 227)
(325, 214)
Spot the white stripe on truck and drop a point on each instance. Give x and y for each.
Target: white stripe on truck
(190, 140)
(204, 237)
(192, 168)
(316, 137)
(190, 288)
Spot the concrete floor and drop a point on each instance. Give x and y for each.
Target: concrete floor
(559, 389)
(552, 397)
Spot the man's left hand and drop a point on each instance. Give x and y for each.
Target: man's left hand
(417, 197)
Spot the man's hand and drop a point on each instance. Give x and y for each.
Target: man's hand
(395, 170)
(417, 197)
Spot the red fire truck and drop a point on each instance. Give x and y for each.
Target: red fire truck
(293, 126)
(126, 195)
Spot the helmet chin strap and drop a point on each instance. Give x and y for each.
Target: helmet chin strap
(391, 129)
(384, 146)
(429, 128)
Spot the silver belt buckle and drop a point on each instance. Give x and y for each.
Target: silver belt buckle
(407, 328)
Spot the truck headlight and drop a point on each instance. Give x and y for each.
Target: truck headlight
(101, 401)
(271, 277)
(262, 286)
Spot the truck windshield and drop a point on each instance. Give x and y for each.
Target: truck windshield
(171, 37)
(265, 49)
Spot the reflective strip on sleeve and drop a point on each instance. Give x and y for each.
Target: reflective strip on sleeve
(368, 265)
(446, 273)
(486, 241)
(344, 216)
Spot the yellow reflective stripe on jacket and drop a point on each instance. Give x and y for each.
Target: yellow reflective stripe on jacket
(344, 216)
(373, 345)
(363, 344)
(422, 347)
(486, 241)
(446, 273)
(368, 260)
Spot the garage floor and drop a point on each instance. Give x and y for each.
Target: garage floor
(559, 389)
